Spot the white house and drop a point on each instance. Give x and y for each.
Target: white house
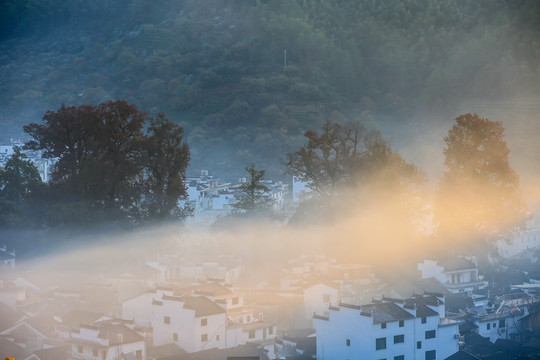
(258, 332)
(106, 341)
(139, 308)
(413, 328)
(318, 296)
(457, 275)
(194, 323)
(505, 325)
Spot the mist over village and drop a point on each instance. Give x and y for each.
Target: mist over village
(270, 180)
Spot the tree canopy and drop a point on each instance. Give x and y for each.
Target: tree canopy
(105, 162)
(227, 78)
(479, 197)
(350, 158)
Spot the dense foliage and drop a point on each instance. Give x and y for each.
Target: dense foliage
(107, 168)
(479, 197)
(344, 166)
(246, 78)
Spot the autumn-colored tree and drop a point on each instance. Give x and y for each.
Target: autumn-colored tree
(479, 199)
(344, 156)
(349, 160)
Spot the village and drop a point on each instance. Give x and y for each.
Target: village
(181, 304)
(173, 305)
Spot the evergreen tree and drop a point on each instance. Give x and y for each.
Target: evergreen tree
(253, 195)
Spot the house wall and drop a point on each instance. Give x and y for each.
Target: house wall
(188, 327)
(139, 309)
(447, 342)
(259, 334)
(332, 335)
(233, 336)
(314, 299)
(430, 269)
(508, 331)
(347, 323)
(111, 353)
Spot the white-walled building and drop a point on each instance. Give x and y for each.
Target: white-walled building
(194, 323)
(139, 308)
(414, 328)
(457, 275)
(105, 341)
(318, 296)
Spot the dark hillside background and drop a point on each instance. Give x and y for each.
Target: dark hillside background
(247, 78)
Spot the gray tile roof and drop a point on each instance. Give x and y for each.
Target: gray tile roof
(386, 312)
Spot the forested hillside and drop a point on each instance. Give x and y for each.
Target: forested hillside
(246, 78)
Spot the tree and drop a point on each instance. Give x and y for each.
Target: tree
(479, 196)
(166, 158)
(18, 180)
(346, 156)
(106, 162)
(19, 177)
(253, 195)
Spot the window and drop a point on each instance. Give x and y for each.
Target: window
(175, 336)
(104, 354)
(167, 319)
(401, 323)
(380, 343)
(430, 334)
(271, 330)
(326, 298)
(424, 320)
(431, 355)
(138, 354)
(248, 319)
(398, 339)
(94, 352)
(204, 322)
(348, 342)
(494, 325)
(79, 349)
(204, 337)
(383, 325)
(235, 301)
(488, 326)
(251, 334)
(418, 344)
(399, 357)
(501, 323)
(217, 337)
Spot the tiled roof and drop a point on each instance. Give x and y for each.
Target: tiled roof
(79, 316)
(112, 332)
(386, 312)
(202, 306)
(256, 325)
(8, 348)
(457, 263)
(212, 288)
(8, 317)
(55, 353)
